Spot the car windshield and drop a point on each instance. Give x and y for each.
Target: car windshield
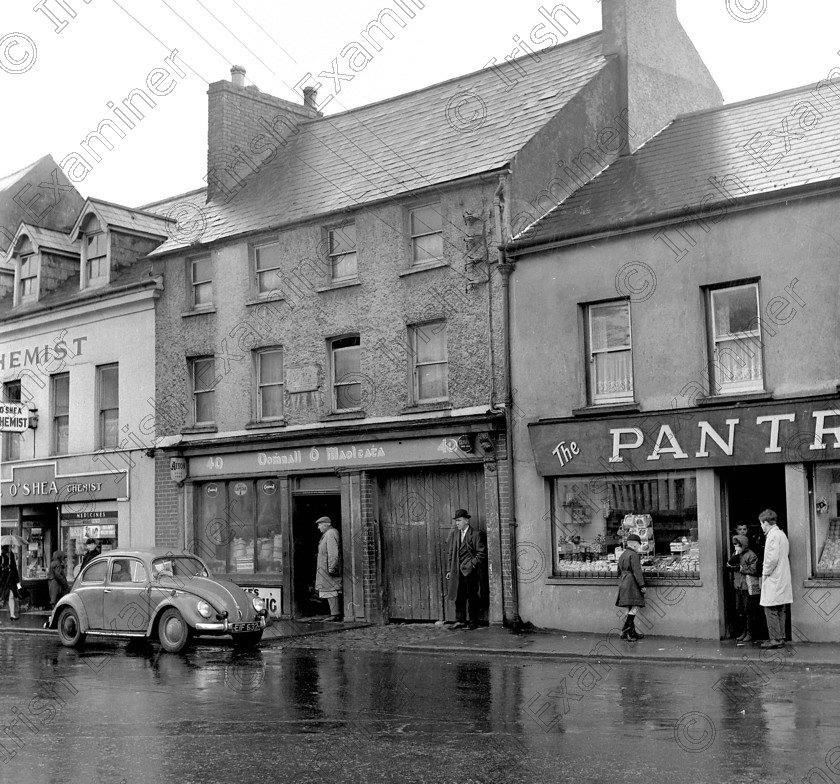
(180, 566)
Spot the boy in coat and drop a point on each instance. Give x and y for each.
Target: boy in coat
(465, 578)
(744, 563)
(328, 567)
(776, 588)
(9, 579)
(631, 587)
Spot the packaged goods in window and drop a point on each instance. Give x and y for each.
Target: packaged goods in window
(829, 560)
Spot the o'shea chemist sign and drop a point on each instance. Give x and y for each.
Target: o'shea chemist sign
(14, 418)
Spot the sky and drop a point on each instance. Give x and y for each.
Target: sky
(63, 61)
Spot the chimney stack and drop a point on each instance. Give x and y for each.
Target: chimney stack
(310, 97)
(237, 76)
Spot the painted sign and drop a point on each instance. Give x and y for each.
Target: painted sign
(345, 455)
(14, 418)
(786, 431)
(92, 515)
(177, 469)
(41, 355)
(40, 484)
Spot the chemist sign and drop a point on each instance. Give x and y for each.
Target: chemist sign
(14, 418)
(784, 431)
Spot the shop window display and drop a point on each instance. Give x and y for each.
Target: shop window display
(824, 492)
(237, 526)
(592, 518)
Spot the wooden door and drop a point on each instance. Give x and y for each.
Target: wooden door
(415, 515)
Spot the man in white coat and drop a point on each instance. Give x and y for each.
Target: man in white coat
(776, 590)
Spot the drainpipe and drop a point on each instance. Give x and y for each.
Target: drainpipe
(506, 267)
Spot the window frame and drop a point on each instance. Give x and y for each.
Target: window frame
(333, 347)
(256, 272)
(126, 583)
(412, 237)
(103, 277)
(333, 256)
(93, 564)
(193, 284)
(716, 389)
(193, 361)
(414, 376)
(34, 261)
(593, 399)
(258, 385)
(54, 416)
(100, 430)
(10, 439)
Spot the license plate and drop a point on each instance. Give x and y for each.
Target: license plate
(244, 627)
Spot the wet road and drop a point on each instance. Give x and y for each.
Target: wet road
(136, 714)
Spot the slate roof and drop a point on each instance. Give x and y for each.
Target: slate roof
(126, 217)
(399, 145)
(48, 238)
(675, 172)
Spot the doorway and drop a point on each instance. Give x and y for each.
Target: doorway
(306, 509)
(748, 491)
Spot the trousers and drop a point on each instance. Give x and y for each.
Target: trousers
(776, 621)
(466, 600)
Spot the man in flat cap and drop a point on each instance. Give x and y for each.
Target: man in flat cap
(328, 569)
(467, 558)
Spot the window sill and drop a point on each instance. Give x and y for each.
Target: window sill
(822, 582)
(416, 408)
(355, 413)
(606, 408)
(261, 424)
(735, 397)
(339, 284)
(650, 582)
(415, 268)
(246, 579)
(199, 311)
(263, 300)
(199, 429)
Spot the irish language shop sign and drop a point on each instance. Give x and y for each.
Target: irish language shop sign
(40, 484)
(790, 431)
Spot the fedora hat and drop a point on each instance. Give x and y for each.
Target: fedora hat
(461, 513)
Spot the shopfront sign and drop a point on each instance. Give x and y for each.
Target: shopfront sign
(177, 469)
(789, 431)
(362, 454)
(41, 484)
(14, 418)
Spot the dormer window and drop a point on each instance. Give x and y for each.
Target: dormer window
(94, 254)
(28, 279)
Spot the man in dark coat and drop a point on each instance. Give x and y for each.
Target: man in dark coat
(631, 587)
(9, 579)
(467, 559)
(92, 549)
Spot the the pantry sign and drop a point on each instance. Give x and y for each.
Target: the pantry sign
(785, 431)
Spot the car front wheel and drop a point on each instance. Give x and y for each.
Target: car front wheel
(69, 628)
(247, 639)
(173, 631)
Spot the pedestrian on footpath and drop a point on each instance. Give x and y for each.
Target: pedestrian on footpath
(631, 587)
(92, 549)
(744, 563)
(776, 589)
(328, 567)
(9, 579)
(58, 577)
(465, 578)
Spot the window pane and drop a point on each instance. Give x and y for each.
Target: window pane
(346, 363)
(204, 402)
(203, 294)
(95, 573)
(202, 270)
(269, 532)
(268, 256)
(11, 392)
(204, 371)
(212, 528)
(348, 396)
(736, 310)
(108, 387)
(428, 248)
(431, 381)
(271, 401)
(242, 516)
(825, 511)
(430, 342)
(738, 364)
(345, 266)
(613, 375)
(271, 367)
(610, 325)
(11, 446)
(268, 281)
(343, 240)
(109, 434)
(61, 394)
(426, 220)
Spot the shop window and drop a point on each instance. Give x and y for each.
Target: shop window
(592, 517)
(267, 263)
(824, 494)
(203, 380)
(107, 392)
(736, 364)
(610, 353)
(426, 228)
(60, 389)
(270, 383)
(343, 254)
(430, 364)
(11, 441)
(345, 370)
(237, 526)
(201, 282)
(28, 279)
(95, 573)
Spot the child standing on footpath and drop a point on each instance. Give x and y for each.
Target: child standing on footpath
(747, 588)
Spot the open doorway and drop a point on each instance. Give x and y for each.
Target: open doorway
(306, 509)
(748, 491)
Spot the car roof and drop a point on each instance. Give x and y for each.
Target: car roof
(153, 552)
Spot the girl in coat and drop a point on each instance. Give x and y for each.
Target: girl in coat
(631, 587)
(58, 577)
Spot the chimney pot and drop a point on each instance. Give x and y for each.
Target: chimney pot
(310, 97)
(237, 76)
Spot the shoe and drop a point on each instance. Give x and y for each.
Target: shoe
(743, 640)
(741, 636)
(635, 635)
(772, 644)
(625, 630)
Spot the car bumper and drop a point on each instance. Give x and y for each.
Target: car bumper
(228, 627)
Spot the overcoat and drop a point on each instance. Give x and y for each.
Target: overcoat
(630, 580)
(328, 574)
(775, 577)
(474, 541)
(9, 577)
(58, 581)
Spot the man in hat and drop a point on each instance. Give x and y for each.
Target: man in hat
(467, 557)
(92, 549)
(328, 568)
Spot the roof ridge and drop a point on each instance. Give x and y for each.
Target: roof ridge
(127, 208)
(144, 207)
(452, 79)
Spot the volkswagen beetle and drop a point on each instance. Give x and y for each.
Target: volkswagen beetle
(155, 594)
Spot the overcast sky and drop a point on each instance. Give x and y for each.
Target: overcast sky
(103, 53)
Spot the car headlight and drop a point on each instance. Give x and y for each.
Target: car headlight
(259, 604)
(204, 609)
